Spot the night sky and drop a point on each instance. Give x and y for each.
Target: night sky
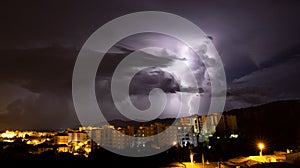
(258, 42)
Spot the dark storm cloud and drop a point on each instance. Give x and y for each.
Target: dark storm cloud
(258, 42)
(277, 81)
(285, 55)
(248, 96)
(141, 85)
(151, 77)
(47, 110)
(36, 88)
(51, 64)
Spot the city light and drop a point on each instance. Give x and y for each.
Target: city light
(261, 146)
(174, 143)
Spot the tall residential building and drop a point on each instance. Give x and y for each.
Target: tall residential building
(188, 130)
(61, 138)
(210, 123)
(76, 136)
(227, 125)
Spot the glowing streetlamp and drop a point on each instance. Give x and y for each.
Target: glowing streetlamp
(192, 158)
(261, 146)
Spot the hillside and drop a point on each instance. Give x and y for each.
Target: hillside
(136, 124)
(276, 122)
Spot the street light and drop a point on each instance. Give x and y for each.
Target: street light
(261, 146)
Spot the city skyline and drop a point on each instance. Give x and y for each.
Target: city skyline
(130, 140)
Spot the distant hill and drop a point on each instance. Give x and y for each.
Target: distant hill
(123, 124)
(277, 122)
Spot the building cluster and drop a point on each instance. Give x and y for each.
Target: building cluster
(184, 131)
(72, 141)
